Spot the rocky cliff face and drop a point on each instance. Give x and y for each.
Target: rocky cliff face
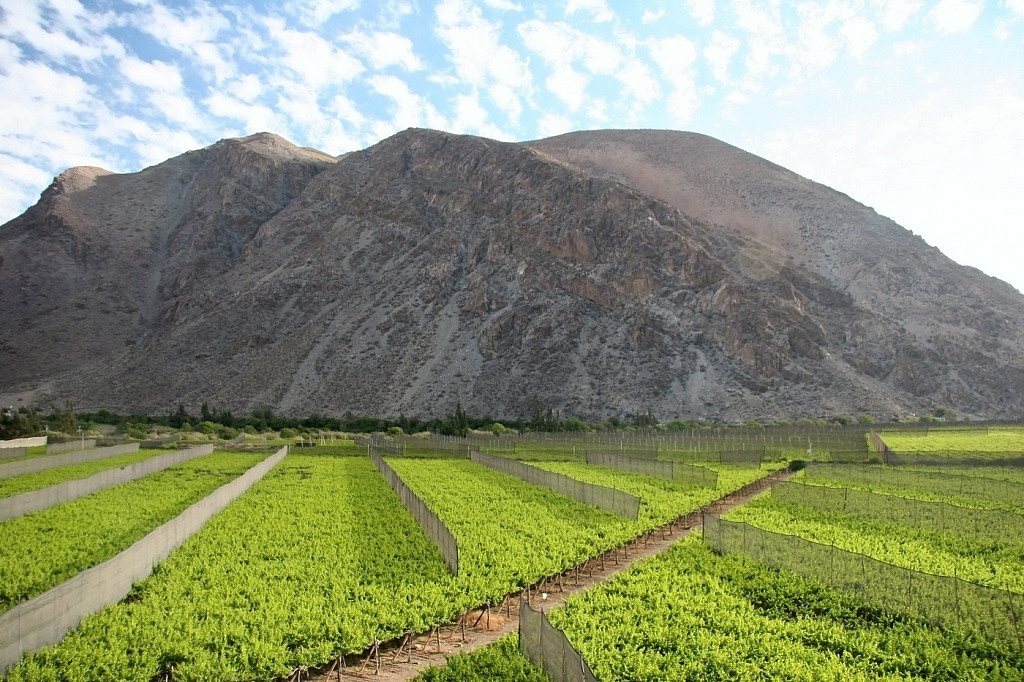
(432, 268)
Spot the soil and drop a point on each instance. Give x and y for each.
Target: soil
(405, 658)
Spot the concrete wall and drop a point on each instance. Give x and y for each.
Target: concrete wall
(44, 620)
(26, 503)
(70, 446)
(31, 466)
(23, 442)
(13, 453)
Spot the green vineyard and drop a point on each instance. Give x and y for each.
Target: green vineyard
(319, 562)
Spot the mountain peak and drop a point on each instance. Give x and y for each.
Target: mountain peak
(596, 273)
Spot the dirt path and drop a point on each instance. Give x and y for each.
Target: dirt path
(404, 659)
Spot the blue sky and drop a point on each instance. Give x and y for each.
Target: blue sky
(914, 108)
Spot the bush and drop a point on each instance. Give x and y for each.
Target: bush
(797, 465)
(288, 432)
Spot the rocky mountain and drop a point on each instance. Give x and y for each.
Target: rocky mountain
(598, 273)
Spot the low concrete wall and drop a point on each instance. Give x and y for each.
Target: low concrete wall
(31, 466)
(23, 442)
(26, 503)
(70, 446)
(44, 620)
(13, 453)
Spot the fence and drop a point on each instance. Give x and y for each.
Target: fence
(26, 503)
(880, 447)
(30, 466)
(977, 487)
(13, 453)
(435, 529)
(431, 447)
(993, 524)
(548, 648)
(610, 499)
(677, 471)
(943, 601)
(162, 441)
(70, 446)
(957, 458)
(45, 619)
(32, 442)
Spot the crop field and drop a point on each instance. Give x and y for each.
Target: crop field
(41, 479)
(41, 550)
(979, 558)
(663, 500)
(984, 488)
(317, 559)
(991, 443)
(691, 614)
(510, 533)
(320, 559)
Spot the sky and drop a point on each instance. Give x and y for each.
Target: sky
(913, 108)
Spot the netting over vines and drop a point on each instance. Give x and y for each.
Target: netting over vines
(677, 471)
(435, 529)
(994, 524)
(944, 601)
(615, 501)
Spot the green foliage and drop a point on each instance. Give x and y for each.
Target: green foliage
(690, 614)
(969, 557)
(296, 571)
(797, 465)
(497, 428)
(42, 479)
(20, 423)
(396, 431)
(865, 420)
(288, 433)
(662, 499)
(43, 549)
(842, 419)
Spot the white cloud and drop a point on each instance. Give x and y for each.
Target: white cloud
(955, 16)
(183, 32)
(652, 16)
(719, 53)
(860, 35)
(156, 75)
(247, 87)
(765, 41)
(597, 8)
(250, 118)
(480, 59)
(472, 118)
(895, 14)
(410, 110)
(504, 5)
(702, 10)
(315, 12)
(311, 60)
(383, 49)
(552, 124)
(55, 36)
(20, 183)
(568, 85)
(1015, 6)
(676, 58)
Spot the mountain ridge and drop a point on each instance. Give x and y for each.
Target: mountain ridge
(583, 273)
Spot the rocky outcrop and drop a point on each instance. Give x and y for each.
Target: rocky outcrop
(433, 268)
